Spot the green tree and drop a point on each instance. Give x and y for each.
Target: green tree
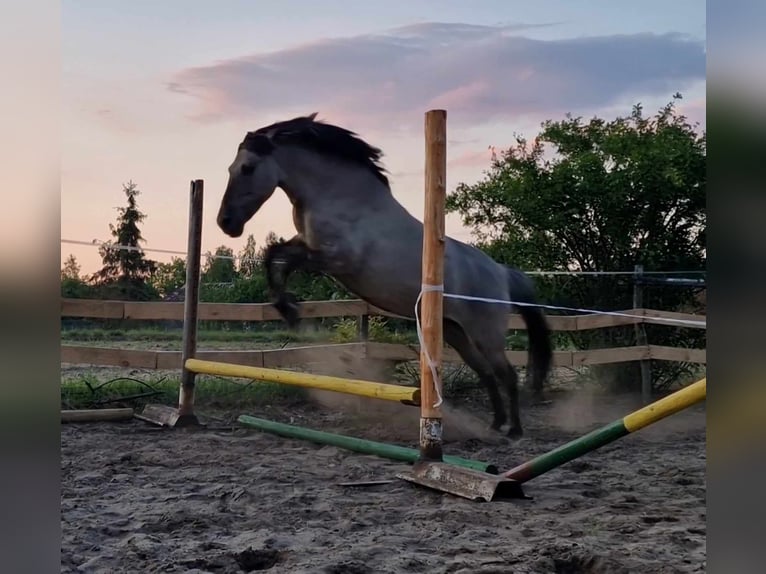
(73, 285)
(598, 196)
(249, 262)
(169, 276)
(126, 270)
(71, 269)
(220, 267)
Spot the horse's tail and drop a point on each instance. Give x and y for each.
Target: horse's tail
(538, 332)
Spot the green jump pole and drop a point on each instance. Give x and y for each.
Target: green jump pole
(384, 450)
(633, 422)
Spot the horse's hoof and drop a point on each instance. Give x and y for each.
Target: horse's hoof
(515, 433)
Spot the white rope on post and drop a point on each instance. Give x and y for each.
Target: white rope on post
(431, 363)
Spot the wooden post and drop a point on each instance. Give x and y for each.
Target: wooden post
(191, 304)
(433, 275)
(640, 331)
(363, 327)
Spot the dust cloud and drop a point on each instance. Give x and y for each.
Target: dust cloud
(388, 420)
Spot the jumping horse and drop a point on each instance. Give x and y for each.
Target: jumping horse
(350, 227)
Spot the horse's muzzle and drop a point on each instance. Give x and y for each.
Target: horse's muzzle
(230, 226)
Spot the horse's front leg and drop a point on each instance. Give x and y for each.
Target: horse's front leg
(280, 260)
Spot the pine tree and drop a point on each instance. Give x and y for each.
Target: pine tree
(71, 269)
(249, 264)
(126, 272)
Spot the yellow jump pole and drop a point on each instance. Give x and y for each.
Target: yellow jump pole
(406, 395)
(635, 421)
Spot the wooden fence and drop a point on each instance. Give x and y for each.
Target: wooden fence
(307, 355)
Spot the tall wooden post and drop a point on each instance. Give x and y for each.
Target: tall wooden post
(432, 277)
(431, 469)
(186, 414)
(640, 332)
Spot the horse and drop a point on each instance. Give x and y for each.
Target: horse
(350, 227)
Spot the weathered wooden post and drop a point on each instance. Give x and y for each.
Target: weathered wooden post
(640, 332)
(430, 470)
(183, 415)
(191, 304)
(431, 303)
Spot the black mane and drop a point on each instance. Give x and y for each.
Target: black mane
(323, 138)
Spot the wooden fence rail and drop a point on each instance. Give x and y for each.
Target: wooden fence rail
(255, 312)
(385, 352)
(280, 358)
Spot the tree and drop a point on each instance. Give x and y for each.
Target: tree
(596, 195)
(72, 284)
(71, 269)
(249, 262)
(126, 270)
(169, 276)
(219, 267)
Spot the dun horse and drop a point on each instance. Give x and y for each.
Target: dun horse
(350, 227)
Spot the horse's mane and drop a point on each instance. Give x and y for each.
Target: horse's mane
(324, 138)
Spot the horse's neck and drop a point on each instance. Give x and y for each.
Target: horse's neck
(311, 180)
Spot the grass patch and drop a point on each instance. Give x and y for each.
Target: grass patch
(88, 392)
(156, 335)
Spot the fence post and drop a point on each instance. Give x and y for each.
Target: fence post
(431, 311)
(363, 327)
(186, 414)
(640, 331)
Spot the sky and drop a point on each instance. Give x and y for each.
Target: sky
(161, 93)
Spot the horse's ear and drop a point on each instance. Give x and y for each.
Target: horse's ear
(313, 116)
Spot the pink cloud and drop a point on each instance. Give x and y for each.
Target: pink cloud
(694, 110)
(480, 158)
(462, 97)
(483, 73)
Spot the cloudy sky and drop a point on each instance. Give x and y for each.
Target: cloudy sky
(161, 93)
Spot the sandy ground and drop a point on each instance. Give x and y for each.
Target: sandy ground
(136, 498)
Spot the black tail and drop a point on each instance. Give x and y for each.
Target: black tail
(538, 333)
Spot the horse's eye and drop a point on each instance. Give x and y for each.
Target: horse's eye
(248, 169)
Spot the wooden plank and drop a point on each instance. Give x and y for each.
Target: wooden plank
(95, 415)
(169, 360)
(320, 309)
(92, 308)
(400, 352)
(108, 356)
(588, 322)
(296, 356)
(174, 360)
(396, 352)
(607, 356)
(650, 314)
(555, 322)
(232, 311)
(154, 310)
(562, 358)
(681, 355)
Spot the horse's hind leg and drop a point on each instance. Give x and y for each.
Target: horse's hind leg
(491, 344)
(504, 371)
(455, 337)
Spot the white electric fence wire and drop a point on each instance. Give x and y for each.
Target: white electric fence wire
(432, 365)
(98, 243)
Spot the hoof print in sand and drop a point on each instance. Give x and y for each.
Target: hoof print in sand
(254, 560)
(347, 568)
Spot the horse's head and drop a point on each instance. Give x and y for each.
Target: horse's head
(253, 177)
